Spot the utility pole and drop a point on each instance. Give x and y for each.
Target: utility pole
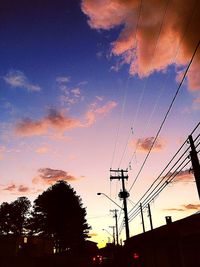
(122, 194)
(142, 218)
(195, 163)
(150, 217)
(113, 227)
(116, 225)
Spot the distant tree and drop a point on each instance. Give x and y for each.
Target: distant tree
(58, 212)
(13, 216)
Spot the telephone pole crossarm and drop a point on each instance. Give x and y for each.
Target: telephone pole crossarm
(123, 194)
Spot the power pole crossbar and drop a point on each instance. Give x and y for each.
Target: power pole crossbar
(119, 174)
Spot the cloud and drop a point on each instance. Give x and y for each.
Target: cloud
(63, 79)
(10, 187)
(55, 119)
(13, 188)
(49, 176)
(94, 112)
(60, 121)
(185, 207)
(76, 92)
(144, 144)
(183, 176)
(23, 189)
(92, 234)
(82, 83)
(42, 149)
(70, 96)
(18, 79)
(2, 151)
(176, 23)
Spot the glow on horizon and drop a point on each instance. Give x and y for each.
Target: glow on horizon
(75, 95)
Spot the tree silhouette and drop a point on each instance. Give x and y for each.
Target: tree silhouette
(58, 213)
(13, 216)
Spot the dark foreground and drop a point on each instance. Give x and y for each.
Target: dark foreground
(55, 261)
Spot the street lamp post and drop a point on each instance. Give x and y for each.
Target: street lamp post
(108, 233)
(110, 199)
(117, 237)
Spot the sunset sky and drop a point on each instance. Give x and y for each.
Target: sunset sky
(84, 87)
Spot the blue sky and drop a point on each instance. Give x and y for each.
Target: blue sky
(77, 78)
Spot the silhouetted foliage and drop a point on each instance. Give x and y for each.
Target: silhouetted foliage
(13, 216)
(58, 213)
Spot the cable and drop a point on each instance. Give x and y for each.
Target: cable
(166, 115)
(171, 62)
(159, 190)
(170, 170)
(145, 84)
(135, 38)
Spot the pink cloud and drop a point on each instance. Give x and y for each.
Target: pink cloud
(137, 42)
(144, 144)
(42, 149)
(54, 120)
(49, 176)
(184, 176)
(60, 121)
(13, 188)
(92, 114)
(23, 189)
(10, 187)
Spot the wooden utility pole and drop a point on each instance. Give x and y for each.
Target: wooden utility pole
(142, 218)
(122, 194)
(116, 225)
(113, 228)
(195, 163)
(150, 217)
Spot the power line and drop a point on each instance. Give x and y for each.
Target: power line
(166, 179)
(165, 82)
(145, 84)
(166, 115)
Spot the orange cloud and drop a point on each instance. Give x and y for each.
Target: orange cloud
(174, 24)
(144, 144)
(59, 121)
(92, 114)
(184, 176)
(49, 176)
(93, 234)
(42, 149)
(185, 207)
(54, 120)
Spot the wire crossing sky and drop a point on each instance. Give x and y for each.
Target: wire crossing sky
(87, 83)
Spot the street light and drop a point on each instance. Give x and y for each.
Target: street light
(107, 232)
(115, 216)
(110, 200)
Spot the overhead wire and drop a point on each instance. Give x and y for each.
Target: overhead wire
(165, 82)
(145, 84)
(141, 96)
(166, 115)
(125, 97)
(166, 179)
